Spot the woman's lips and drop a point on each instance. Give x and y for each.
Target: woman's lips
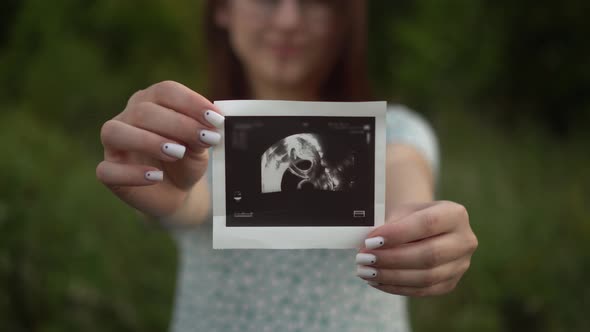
(285, 51)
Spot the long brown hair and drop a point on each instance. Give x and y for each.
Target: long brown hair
(348, 80)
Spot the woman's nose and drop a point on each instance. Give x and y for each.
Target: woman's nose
(288, 14)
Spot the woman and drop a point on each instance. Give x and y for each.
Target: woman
(156, 161)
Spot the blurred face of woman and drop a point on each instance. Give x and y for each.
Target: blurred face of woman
(288, 44)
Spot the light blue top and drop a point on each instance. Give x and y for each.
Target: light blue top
(289, 290)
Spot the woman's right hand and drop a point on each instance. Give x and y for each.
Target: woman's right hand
(156, 149)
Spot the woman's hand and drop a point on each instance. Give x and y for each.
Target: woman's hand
(424, 250)
(156, 149)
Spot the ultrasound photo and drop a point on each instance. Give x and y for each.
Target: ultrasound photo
(298, 174)
(299, 171)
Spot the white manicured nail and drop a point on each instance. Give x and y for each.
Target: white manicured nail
(365, 259)
(366, 272)
(210, 137)
(154, 175)
(174, 150)
(214, 118)
(374, 242)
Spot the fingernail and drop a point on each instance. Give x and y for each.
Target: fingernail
(366, 272)
(214, 118)
(373, 283)
(210, 137)
(374, 242)
(154, 175)
(365, 259)
(174, 150)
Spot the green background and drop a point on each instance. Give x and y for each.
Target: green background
(505, 84)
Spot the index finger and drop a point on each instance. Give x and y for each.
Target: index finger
(416, 226)
(177, 97)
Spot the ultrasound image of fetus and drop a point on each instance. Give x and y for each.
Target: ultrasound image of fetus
(299, 162)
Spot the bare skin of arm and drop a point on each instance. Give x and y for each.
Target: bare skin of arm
(197, 208)
(410, 180)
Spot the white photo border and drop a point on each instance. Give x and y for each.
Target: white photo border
(296, 237)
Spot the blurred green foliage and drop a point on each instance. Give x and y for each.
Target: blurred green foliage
(71, 256)
(527, 196)
(513, 61)
(504, 83)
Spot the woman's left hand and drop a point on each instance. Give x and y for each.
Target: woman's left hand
(423, 250)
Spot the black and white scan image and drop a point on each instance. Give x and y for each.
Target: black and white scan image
(298, 162)
(298, 171)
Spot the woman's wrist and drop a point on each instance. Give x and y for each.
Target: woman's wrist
(195, 210)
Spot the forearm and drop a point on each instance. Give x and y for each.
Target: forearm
(197, 206)
(410, 178)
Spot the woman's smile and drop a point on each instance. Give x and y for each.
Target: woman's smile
(286, 50)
